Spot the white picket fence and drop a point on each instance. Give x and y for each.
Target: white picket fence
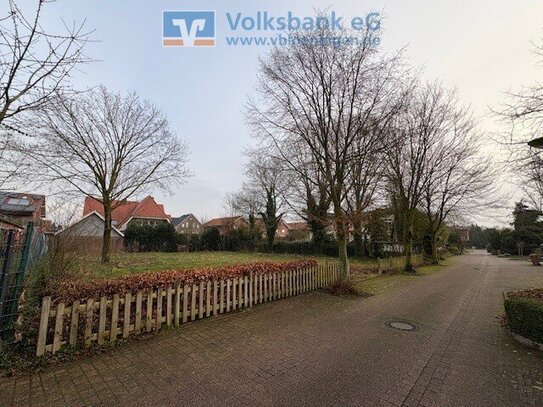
(107, 319)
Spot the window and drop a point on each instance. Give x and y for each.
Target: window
(18, 201)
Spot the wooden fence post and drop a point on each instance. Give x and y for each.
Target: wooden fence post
(169, 306)
(240, 292)
(137, 322)
(102, 321)
(246, 291)
(44, 322)
(208, 299)
(221, 297)
(114, 319)
(59, 321)
(126, 316)
(215, 297)
(89, 316)
(251, 291)
(177, 306)
(74, 323)
(193, 302)
(158, 323)
(185, 303)
(149, 313)
(228, 295)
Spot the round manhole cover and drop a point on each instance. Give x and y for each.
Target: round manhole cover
(402, 326)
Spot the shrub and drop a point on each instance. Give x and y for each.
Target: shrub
(146, 238)
(342, 287)
(306, 248)
(211, 239)
(524, 311)
(70, 290)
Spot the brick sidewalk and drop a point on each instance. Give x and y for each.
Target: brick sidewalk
(322, 350)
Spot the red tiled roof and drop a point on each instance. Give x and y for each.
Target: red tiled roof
(222, 221)
(147, 208)
(298, 226)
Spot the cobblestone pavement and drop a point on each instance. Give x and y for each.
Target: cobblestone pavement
(317, 350)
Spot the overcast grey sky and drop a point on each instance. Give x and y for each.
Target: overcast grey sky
(482, 47)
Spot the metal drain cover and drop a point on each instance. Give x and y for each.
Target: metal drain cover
(402, 326)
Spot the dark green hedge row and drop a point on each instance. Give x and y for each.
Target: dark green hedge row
(306, 248)
(525, 317)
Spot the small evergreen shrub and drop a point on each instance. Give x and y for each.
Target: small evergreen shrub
(524, 311)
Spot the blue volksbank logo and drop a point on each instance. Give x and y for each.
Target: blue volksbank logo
(188, 28)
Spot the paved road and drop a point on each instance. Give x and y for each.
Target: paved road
(319, 350)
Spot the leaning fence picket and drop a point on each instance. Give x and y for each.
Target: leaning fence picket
(57, 339)
(126, 316)
(177, 305)
(137, 322)
(193, 302)
(114, 319)
(102, 321)
(89, 316)
(201, 300)
(169, 306)
(149, 313)
(74, 323)
(208, 299)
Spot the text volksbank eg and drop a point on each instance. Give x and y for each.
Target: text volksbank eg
(198, 28)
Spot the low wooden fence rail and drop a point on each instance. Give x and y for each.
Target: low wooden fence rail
(107, 319)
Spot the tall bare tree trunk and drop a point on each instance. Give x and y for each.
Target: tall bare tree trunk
(341, 231)
(409, 268)
(358, 238)
(435, 257)
(106, 242)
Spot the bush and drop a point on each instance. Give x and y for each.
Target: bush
(524, 311)
(71, 290)
(160, 238)
(306, 248)
(342, 287)
(211, 239)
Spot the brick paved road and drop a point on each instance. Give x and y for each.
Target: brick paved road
(318, 350)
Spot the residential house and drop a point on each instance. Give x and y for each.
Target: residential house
(463, 232)
(187, 225)
(282, 231)
(88, 233)
(299, 231)
(144, 212)
(23, 208)
(227, 225)
(7, 225)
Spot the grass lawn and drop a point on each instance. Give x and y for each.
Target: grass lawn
(375, 284)
(132, 263)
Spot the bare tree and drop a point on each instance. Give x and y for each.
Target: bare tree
(458, 175)
(318, 99)
(261, 194)
(306, 194)
(366, 174)
(107, 146)
(522, 113)
(266, 176)
(414, 134)
(35, 63)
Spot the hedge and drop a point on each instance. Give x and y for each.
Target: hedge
(69, 291)
(306, 248)
(524, 311)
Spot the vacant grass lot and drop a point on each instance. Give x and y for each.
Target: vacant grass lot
(375, 284)
(132, 263)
